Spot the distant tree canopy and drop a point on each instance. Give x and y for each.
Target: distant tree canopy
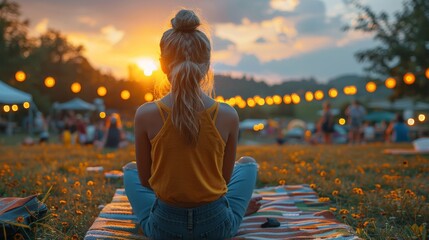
(404, 47)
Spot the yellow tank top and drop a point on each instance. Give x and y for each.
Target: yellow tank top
(182, 174)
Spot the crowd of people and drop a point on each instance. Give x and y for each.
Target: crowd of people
(361, 130)
(75, 129)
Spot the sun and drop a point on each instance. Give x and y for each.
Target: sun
(148, 65)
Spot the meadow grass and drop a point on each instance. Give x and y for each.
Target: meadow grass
(381, 196)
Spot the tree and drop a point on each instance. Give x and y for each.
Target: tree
(404, 45)
(14, 43)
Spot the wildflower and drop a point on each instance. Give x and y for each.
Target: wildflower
(23, 191)
(90, 183)
(344, 211)
(64, 190)
(283, 171)
(38, 183)
(378, 186)
(47, 178)
(75, 237)
(354, 215)
(313, 186)
(77, 197)
(358, 191)
(18, 236)
(63, 202)
(89, 193)
(322, 173)
(76, 184)
(335, 193)
(337, 181)
(79, 212)
(405, 163)
(65, 224)
(54, 215)
(333, 209)
(324, 199)
(20, 219)
(365, 224)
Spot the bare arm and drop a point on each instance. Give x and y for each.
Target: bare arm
(142, 146)
(232, 121)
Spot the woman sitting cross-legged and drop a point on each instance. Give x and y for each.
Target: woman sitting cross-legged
(186, 183)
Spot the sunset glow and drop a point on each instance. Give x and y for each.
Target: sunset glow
(148, 65)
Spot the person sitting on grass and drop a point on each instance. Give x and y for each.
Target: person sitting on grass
(185, 182)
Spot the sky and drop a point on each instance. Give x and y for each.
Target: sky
(271, 40)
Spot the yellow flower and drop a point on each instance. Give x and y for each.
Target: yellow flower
(337, 181)
(378, 186)
(324, 199)
(20, 219)
(335, 193)
(333, 209)
(79, 212)
(354, 215)
(88, 193)
(358, 191)
(90, 183)
(64, 190)
(313, 186)
(63, 202)
(322, 173)
(344, 211)
(77, 184)
(282, 182)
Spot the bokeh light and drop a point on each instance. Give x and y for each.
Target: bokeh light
(427, 73)
(371, 87)
(333, 93)
(261, 102)
(309, 96)
(409, 78)
(148, 97)
(318, 95)
(250, 102)
(390, 83)
(101, 91)
(20, 76)
(269, 100)
(295, 98)
(422, 117)
(125, 94)
(277, 99)
(26, 105)
(411, 121)
(342, 121)
(220, 99)
(76, 87)
(49, 82)
(6, 108)
(148, 66)
(102, 115)
(14, 107)
(287, 99)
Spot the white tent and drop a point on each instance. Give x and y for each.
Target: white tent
(75, 104)
(10, 95)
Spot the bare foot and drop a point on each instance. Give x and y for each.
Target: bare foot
(254, 205)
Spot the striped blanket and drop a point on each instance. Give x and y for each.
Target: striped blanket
(296, 207)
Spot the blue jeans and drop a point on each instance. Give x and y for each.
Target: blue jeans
(219, 219)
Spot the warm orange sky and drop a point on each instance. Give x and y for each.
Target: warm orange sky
(268, 39)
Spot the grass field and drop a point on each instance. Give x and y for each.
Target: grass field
(381, 196)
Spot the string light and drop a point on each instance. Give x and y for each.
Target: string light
(427, 73)
(309, 96)
(390, 83)
(410, 121)
(125, 94)
(20, 76)
(277, 99)
(148, 97)
(409, 78)
(287, 99)
(318, 95)
(101, 91)
(6, 108)
(422, 117)
(102, 115)
(333, 93)
(342, 121)
(49, 82)
(371, 87)
(295, 98)
(250, 102)
(14, 107)
(76, 87)
(26, 105)
(269, 100)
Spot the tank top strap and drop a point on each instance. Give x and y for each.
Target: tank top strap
(213, 111)
(163, 109)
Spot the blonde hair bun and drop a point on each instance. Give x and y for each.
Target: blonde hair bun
(185, 21)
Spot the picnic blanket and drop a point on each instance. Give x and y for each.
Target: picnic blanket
(296, 207)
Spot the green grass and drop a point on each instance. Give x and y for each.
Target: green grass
(381, 196)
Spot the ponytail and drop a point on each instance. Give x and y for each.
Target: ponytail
(185, 56)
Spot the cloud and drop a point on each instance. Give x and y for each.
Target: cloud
(42, 26)
(112, 34)
(89, 21)
(261, 40)
(284, 5)
(220, 44)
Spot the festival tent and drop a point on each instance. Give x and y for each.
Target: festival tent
(75, 104)
(10, 95)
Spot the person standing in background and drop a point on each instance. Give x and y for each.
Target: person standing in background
(356, 114)
(326, 123)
